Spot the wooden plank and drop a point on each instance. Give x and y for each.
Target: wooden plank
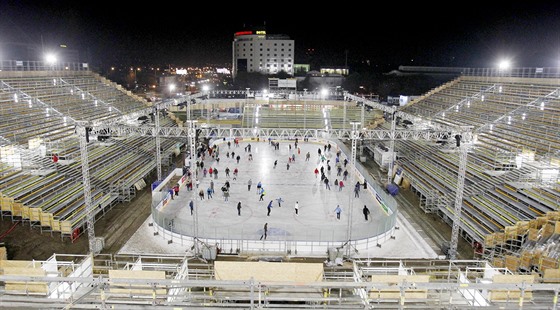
(25, 287)
(499, 262)
(55, 225)
(548, 262)
(553, 215)
(511, 295)
(512, 263)
(17, 209)
(268, 271)
(510, 232)
(522, 227)
(136, 289)
(396, 292)
(533, 234)
(489, 240)
(551, 276)
(25, 211)
(6, 204)
(66, 227)
(35, 214)
(3, 253)
(46, 219)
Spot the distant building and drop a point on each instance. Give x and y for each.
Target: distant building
(257, 51)
(335, 71)
(301, 69)
(315, 80)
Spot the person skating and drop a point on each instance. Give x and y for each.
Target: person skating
(239, 208)
(261, 198)
(366, 212)
(338, 210)
(265, 231)
(269, 208)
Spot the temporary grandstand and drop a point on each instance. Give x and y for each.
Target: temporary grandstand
(482, 152)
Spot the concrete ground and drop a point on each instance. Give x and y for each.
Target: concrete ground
(218, 218)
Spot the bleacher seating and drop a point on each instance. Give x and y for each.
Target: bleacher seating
(512, 118)
(44, 107)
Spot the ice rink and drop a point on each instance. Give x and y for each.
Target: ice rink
(292, 181)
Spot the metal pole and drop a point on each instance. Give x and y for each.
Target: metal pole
(354, 136)
(458, 201)
(158, 146)
(194, 178)
(392, 146)
(81, 131)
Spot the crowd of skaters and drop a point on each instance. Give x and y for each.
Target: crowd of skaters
(212, 156)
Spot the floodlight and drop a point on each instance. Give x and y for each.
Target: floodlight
(50, 59)
(504, 64)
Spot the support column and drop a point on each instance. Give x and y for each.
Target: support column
(458, 200)
(194, 178)
(158, 145)
(354, 136)
(90, 211)
(392, 147)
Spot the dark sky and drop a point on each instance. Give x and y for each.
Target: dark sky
(381, 33)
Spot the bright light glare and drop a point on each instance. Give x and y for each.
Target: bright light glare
(504, 65)
(324, 91)
(205, 88)
(171, 87)
(50, 58)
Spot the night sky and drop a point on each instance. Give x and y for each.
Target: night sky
(390, 34)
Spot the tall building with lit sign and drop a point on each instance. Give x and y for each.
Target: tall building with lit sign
(257, 51)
